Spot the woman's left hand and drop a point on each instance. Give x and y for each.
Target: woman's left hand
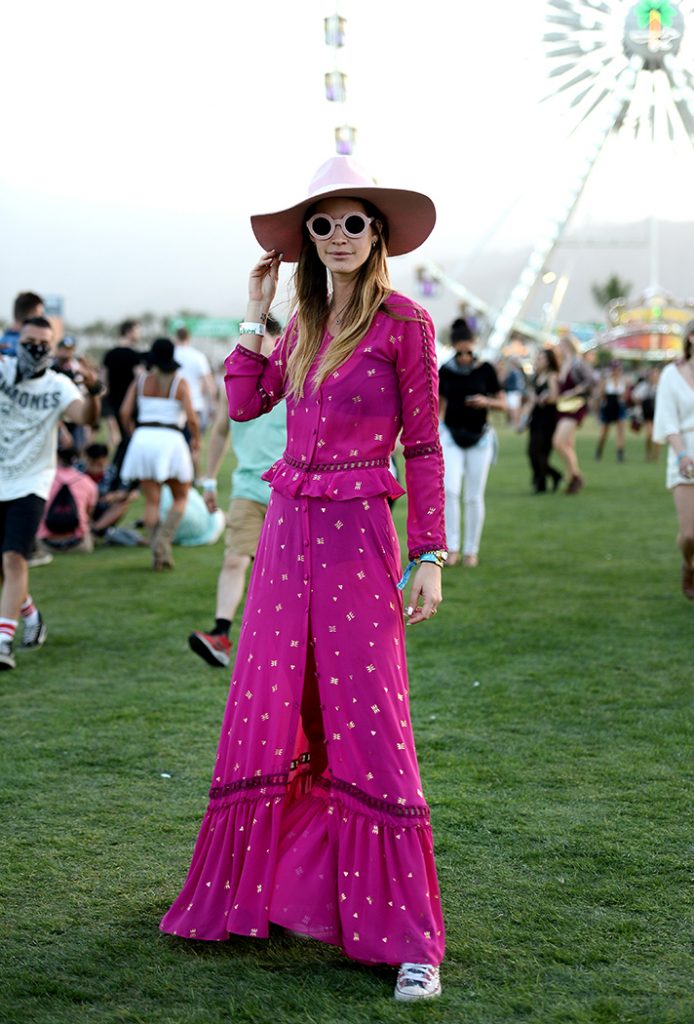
(427, 587)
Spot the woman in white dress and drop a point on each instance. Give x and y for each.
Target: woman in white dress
(156, 408)
(674, 425)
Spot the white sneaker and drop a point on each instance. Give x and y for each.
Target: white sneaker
(6, 658)
(39, 558)
(417, 981)
(34, 636)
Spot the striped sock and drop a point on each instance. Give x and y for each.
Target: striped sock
(30, 612)
(8, 628)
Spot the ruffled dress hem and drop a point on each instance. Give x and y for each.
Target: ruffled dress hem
(288, 860)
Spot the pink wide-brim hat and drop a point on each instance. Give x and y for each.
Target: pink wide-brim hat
(410, 215)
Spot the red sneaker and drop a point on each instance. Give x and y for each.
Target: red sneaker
(213, 648)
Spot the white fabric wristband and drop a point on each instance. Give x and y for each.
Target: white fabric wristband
(209, 485)
(249, 328)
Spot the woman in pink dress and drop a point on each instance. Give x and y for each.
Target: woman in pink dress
(317, 821)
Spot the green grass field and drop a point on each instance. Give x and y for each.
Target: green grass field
(552, 704)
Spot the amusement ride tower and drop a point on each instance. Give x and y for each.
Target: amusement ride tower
(622, 66)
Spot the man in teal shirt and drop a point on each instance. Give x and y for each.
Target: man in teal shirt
(257, 445)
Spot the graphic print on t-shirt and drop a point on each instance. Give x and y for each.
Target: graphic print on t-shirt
(29, 412)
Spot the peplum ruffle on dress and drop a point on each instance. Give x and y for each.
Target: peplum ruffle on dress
(335, 484)
(317, 820)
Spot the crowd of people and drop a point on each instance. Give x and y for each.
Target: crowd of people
(549, 400)
(157, 403)
(316, 763)
(62, 490)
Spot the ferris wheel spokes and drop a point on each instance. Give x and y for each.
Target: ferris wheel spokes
(620, 64)
(518, 299)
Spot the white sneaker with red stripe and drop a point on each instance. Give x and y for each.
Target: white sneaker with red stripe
(6, 657)
(34, 635)
(417, 981)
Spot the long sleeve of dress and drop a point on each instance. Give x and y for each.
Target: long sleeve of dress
(254, 383)
(418, 380)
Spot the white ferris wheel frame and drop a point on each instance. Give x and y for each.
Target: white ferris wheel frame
(610, 81)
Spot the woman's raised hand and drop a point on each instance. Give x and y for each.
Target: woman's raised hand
(262, 283)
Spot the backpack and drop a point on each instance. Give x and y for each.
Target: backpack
(61, 515)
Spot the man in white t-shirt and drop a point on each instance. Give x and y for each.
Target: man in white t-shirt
(33, 399)
(195, 369)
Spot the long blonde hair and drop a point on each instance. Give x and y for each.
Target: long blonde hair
(312, 302)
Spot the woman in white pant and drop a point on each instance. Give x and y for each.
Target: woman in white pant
(467, 391)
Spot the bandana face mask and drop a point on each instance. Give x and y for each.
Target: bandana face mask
(33, 359)
(465, 361)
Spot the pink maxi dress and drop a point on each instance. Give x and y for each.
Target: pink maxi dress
(317, 820)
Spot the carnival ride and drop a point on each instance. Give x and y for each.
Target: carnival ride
(622, 67)
(646, 329)
(334, 27)
(619, 68)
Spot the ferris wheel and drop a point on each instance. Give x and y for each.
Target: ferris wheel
(620, 67)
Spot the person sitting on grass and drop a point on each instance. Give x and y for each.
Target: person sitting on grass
(199, 526)
(65, 525)
(114, 499)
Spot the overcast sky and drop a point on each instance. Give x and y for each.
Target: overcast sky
(139, 137)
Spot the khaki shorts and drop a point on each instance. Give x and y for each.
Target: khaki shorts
(244, 522)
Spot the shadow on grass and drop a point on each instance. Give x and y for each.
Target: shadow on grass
(125, 970)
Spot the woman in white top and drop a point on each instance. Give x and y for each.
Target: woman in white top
(158, 452)
(674, 424)
(613, 408)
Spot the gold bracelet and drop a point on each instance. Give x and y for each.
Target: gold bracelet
(435, 557)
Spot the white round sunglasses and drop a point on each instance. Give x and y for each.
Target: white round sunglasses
(322, 226)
